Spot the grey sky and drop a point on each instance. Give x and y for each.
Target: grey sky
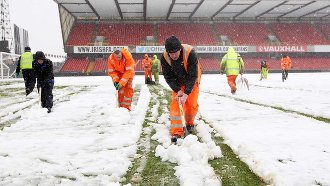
(40, 18)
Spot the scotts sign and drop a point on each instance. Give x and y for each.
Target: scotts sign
(282, 48)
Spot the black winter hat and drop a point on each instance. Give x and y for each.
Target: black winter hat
(27, 48)
(172, 44)
(39, 55)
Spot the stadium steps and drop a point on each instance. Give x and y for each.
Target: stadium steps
(90, 67)
(101, 65)
(155, 34)
(320, 30)
(216, 34)
(274, 33)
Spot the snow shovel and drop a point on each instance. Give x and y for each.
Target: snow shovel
(185, 131)
(117, 99)
(243, 81)
(39, 94)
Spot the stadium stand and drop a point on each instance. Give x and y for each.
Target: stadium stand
(298, 34)
(245, 33)
(125, 34)
(81, 34)
(75, 65)
(254, 34)
(192, 33)
(325, 29)
(100, 65)
(257, 25)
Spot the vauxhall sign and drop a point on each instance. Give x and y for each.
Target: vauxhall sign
(282, 48)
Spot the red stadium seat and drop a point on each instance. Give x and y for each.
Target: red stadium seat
(245, 33)
(125, 34)
(192, 33)
(75, 65)
(298, 34)
(81, 34)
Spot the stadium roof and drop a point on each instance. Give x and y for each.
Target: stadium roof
(197, 10)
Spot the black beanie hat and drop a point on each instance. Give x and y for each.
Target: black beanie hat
(172, 44)
(27, 49)
(40, 55)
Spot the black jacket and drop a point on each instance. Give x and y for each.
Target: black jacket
(263, 66)
(175, 74)
(44, 71)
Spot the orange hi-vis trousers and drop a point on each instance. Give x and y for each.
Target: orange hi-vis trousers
(147, 73)
(125, 95)
(231, 79)
(190, 109)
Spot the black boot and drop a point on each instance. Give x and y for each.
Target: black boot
(174, 138)
(190, 128)
(49, 110)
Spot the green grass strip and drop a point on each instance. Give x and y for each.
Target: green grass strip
(157, 172)
(230, 168)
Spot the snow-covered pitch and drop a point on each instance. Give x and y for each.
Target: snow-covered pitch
(89, 141)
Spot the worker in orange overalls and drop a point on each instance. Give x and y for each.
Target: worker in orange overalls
(285, 65)
(182, 73)
(147, 65)
(121, 70)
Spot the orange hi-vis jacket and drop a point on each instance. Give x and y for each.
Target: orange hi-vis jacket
(123, 70)
(147, 64)
(286, 63)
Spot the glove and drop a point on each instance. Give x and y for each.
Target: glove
(183, 99)
(178, 95)
(17, 74)
(118, 86)
(115, 84)
(50, 82)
